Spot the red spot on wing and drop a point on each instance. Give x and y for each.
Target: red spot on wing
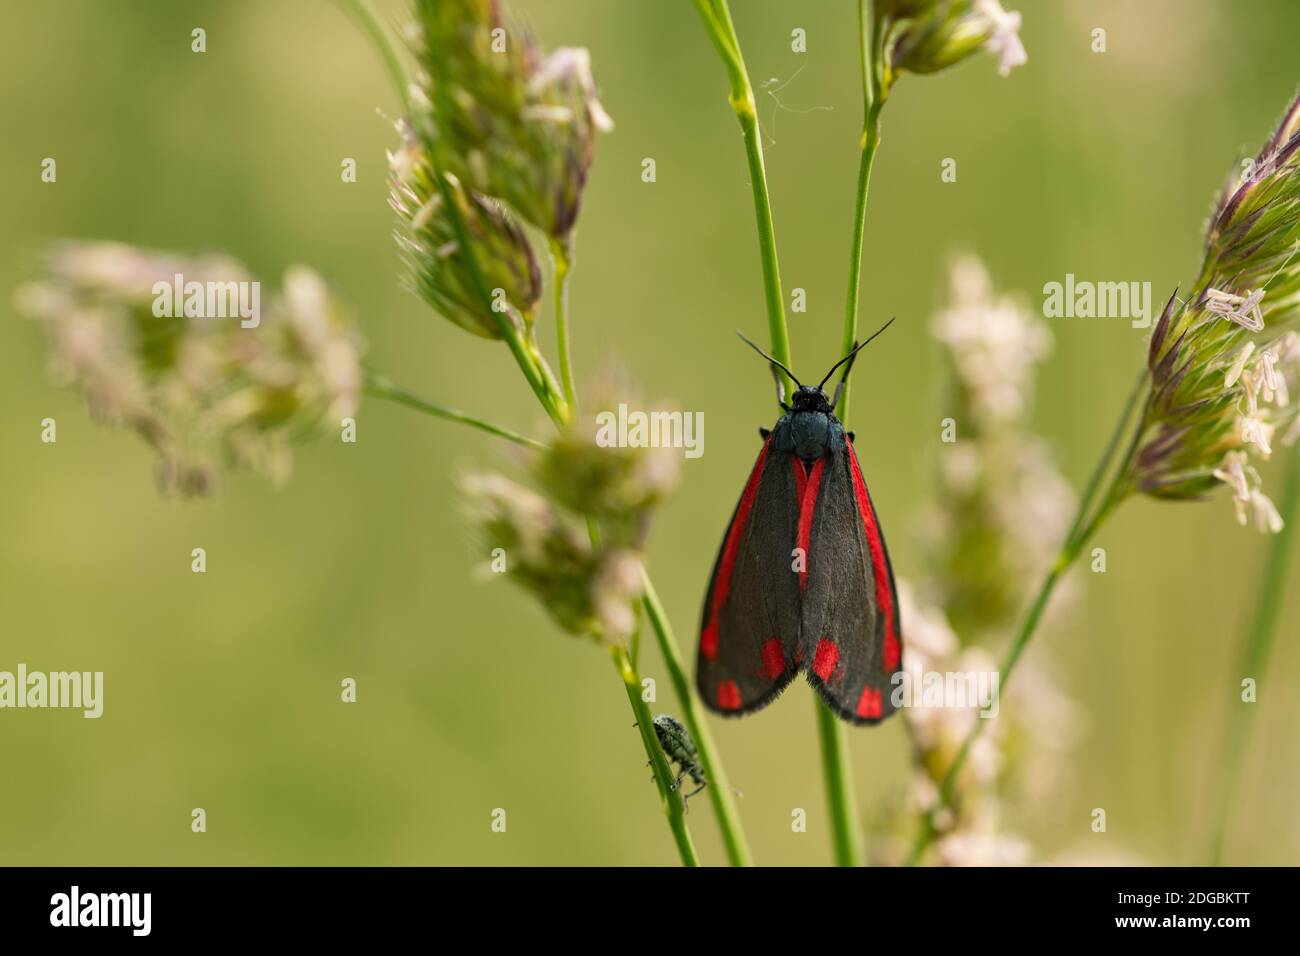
(869, 703)
(709, 639)
(807, 506)
(879, 566)
(722, 582)
(773, 658)
(824, 661)
(728, 695)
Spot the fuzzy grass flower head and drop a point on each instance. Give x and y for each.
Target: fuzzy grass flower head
(1002, 504)
(507, 120)
(587, 589)
(1000, 510)
(993, 342)
(619, 487)
(1021, 747)
(440, 269)
(1222, 387)
(936, 734)
(201, 390)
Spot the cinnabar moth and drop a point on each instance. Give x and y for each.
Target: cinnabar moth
(802, 581)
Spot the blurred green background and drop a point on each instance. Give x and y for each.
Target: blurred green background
(222, 690)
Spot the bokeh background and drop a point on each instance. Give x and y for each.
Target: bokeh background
(222, 690)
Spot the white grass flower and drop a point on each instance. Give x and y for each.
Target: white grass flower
(1243, 310)
(983, 849)
(1255, 432)
(1233, 473)
(927, 36)
(1273, 382)
(994, 340)
(1249, 502)
(1238, 365)
(1267, 519)
(1004, 38)
(572, 63)
(929, 637)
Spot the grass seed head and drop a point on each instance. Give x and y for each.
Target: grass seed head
(439, 270)
(1221, 385)
(509, 121)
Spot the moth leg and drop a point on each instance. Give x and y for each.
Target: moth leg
(763, 433)
(852, 436)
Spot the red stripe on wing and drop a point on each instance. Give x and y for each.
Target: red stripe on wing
(807, 505)
(800, 477)
(722, 584)
(879, 566)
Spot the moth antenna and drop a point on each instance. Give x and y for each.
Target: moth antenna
(849, 358)
(780, 389)
(769, 358)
